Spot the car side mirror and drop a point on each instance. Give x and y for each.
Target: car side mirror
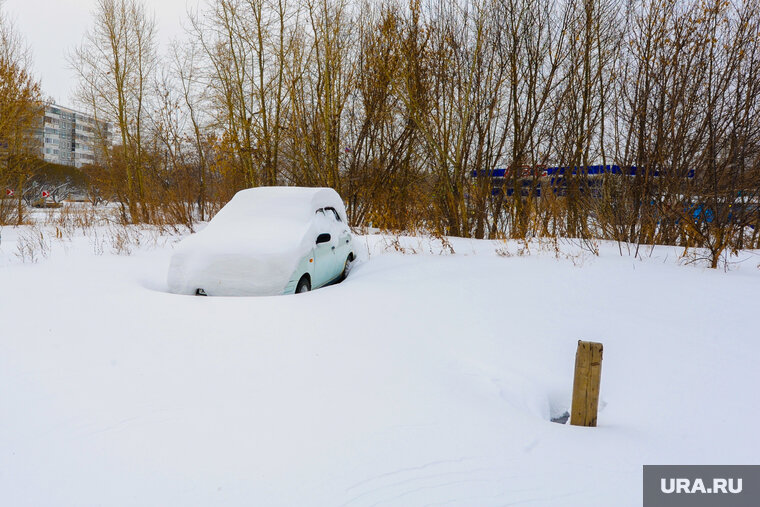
(323, 238)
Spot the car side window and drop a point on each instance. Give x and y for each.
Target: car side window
(334, 213)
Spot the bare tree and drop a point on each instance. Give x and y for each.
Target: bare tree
(408, 109)
(116, 65)
(20, 118)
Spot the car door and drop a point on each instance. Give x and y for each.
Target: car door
(324, 251)
(344, 239)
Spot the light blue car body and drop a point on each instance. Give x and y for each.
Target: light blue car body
(327, 262)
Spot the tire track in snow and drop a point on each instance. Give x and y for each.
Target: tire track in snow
(400, 488)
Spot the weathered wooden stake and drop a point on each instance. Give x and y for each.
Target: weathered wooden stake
(588, 375)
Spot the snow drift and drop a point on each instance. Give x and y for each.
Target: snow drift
(421, 380)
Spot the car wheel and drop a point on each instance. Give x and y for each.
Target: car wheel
(303, 285)
(346, 267)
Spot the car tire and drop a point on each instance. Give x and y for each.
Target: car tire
(346, 267)
(304, 285)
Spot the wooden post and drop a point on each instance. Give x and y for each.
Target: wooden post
(588, 375)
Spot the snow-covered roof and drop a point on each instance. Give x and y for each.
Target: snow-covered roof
(294, 203)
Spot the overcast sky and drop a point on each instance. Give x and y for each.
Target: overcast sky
(54, 27)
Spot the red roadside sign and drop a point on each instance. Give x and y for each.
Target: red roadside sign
(8, 192)
(45, 194)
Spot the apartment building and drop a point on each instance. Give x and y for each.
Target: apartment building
(69, 137)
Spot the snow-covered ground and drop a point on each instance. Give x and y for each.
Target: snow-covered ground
(426, 378)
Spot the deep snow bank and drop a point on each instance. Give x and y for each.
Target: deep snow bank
(423, 379)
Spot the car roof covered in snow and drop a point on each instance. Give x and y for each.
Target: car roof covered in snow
(293, 203)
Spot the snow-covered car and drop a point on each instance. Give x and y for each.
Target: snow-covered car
(266, 241)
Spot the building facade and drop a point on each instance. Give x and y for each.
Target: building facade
(69, 137)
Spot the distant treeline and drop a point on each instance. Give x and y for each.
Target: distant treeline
(406, 107)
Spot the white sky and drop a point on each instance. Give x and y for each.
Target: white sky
(54, 27)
